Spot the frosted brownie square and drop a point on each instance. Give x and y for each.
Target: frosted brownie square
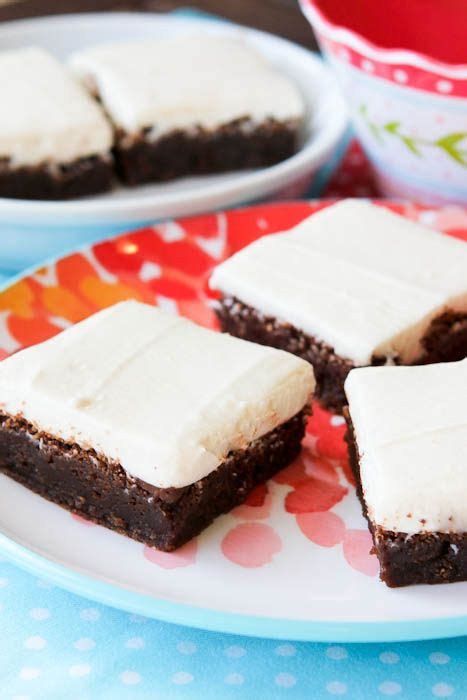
(55, 141)
(193, 104)
(147, 423)
(408, 447)
(352, 285)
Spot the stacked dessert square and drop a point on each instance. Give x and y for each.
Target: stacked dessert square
(146, 111)
(55, 141)
(192, 105)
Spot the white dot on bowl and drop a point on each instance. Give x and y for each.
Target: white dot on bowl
(389, 688)
(182, 678)
(336, 653)
(368, 66)
(400, 75)
(39, 614)
(389, 657)
(336, 421)
(84, 644)
(285, 650)
(235, 652)
(28, 673)
(438, 657)
(35, 643)
(187, 647)
(130, 678)
(336, 688)
(442, 690)
(285, 680)
(79, 670)
(444, 86)
(90, 614)
(234, 679)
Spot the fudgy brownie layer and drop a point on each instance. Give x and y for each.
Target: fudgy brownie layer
(234, 146)
(66, 181)
(86, 483)
(428, 557)
(330, 369)
(444, 341)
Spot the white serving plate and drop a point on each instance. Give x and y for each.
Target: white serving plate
(125, 207)
(295, 564)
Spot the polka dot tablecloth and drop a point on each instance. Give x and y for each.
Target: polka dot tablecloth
(58, 646)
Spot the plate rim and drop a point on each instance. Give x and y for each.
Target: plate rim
(252, 184)
(122, 598)
(212, 620)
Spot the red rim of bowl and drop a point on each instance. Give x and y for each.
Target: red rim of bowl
(359, 43)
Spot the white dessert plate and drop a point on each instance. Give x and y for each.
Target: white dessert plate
(325, 123)
(294, 561)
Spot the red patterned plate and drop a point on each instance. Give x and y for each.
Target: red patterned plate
(294, 560)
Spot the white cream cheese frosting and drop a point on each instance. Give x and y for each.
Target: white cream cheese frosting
(187, 81)
(46, 115)
(356, 276)
(163, 397)
(410, 425)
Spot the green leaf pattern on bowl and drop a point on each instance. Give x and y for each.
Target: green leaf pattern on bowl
(454, 145)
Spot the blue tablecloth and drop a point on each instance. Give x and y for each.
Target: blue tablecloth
(58, 646)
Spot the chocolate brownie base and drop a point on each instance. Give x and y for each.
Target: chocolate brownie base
(444, 341)
(330, 369)
(428, 557)
(235, 146)
(86, 483)
(66, 181)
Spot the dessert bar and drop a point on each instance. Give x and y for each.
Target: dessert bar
(193, 104)
(408, 448)
(147, 423)
(55, 141)
(352, 285)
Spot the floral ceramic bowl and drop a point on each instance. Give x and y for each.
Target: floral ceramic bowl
(403, 68)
